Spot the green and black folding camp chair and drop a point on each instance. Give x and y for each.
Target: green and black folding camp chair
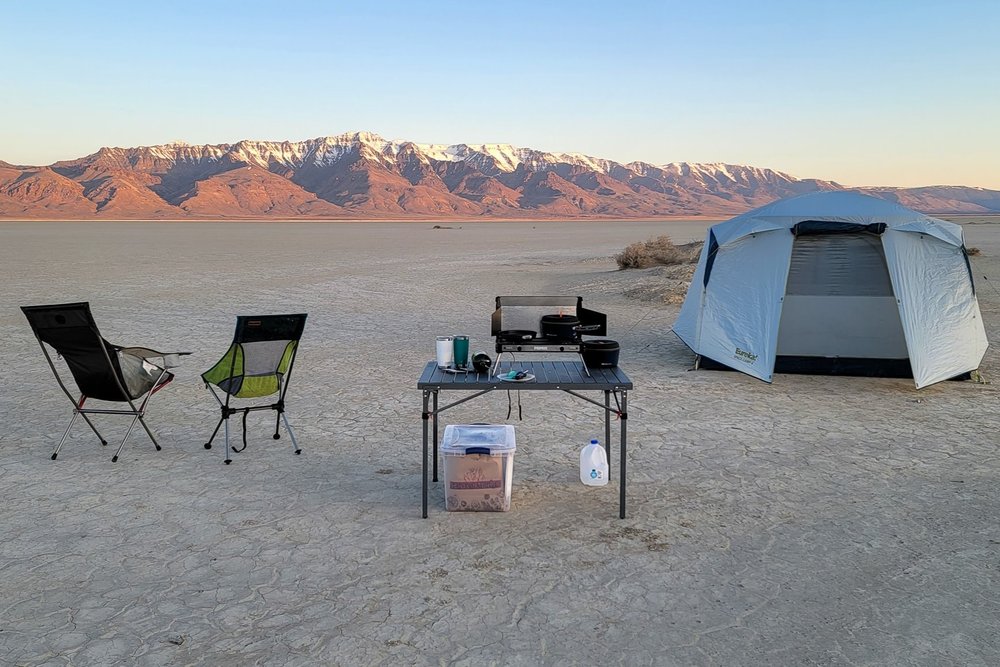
(101, 370)
(258, 363)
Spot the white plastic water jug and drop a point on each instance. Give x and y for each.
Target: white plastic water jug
(593, 465)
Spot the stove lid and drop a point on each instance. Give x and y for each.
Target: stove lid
(526, 312)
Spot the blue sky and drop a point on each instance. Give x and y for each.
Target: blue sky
(864, 93)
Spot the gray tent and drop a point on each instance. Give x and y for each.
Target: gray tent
(834, 280)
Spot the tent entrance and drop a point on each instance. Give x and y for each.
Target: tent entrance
(839, 313)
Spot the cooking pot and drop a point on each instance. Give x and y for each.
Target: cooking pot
(566, 327)
(600, 353)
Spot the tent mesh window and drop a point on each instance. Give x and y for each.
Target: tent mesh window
(839, 306)
(838, 265)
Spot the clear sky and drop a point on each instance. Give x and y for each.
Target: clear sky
(873, 92)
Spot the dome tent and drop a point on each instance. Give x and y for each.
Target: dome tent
(833, 281)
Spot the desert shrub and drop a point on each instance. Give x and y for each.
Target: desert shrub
(660, 251)
(972, 252)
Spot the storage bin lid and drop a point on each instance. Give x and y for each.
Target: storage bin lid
(498, 438)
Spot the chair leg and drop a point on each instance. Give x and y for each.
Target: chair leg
(65, 435)
(208, 445)
(94, 429)
(114, 459)
(277, 424)
(291, 433)
(228, 460)
(149, 433)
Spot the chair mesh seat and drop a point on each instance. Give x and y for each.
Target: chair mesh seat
(253, 369)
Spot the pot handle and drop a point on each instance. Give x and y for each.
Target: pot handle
(587, 327)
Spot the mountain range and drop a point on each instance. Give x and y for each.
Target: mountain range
(363, 176)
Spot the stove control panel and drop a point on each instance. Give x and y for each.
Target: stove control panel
(530, 347)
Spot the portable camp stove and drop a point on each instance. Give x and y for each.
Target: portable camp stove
(518, 328)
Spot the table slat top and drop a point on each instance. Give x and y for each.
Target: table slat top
(548, 375)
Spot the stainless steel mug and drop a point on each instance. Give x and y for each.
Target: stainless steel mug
(445, 351)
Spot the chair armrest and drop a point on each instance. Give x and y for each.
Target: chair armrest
(170, 359)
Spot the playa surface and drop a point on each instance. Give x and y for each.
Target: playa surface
(818, 520)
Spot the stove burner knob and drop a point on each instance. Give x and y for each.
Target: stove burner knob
(561, 348)
(518, 348)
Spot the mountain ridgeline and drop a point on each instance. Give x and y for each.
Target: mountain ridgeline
(363, 176)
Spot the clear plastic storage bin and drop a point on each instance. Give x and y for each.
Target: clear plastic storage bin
(478, 467)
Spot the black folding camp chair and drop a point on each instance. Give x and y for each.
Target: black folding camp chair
(258, 363)
(101, 370)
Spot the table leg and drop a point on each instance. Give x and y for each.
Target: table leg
(624, 445)
(435, 418)
(607, 429)
(423, 476)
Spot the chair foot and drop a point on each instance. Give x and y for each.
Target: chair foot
(54, 456)
(158, 448)
(298, 451)
(114, 459)
(228, 461)
(104, 443)
(208, 445)
(277, 436)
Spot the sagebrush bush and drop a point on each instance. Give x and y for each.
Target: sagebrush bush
(660, 251)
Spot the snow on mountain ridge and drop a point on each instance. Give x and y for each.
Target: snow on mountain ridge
(491, 159)
(734, 172)
(506, 157)
(324, 151)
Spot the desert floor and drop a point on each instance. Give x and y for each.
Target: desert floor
(818, 520)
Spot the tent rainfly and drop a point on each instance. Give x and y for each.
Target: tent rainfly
(835, 282)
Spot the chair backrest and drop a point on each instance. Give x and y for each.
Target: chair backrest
(70, 330)
(267, 328)
(260, 357)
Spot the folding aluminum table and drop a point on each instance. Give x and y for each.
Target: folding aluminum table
(567, 376)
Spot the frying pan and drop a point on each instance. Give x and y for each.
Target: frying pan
(515, 335)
